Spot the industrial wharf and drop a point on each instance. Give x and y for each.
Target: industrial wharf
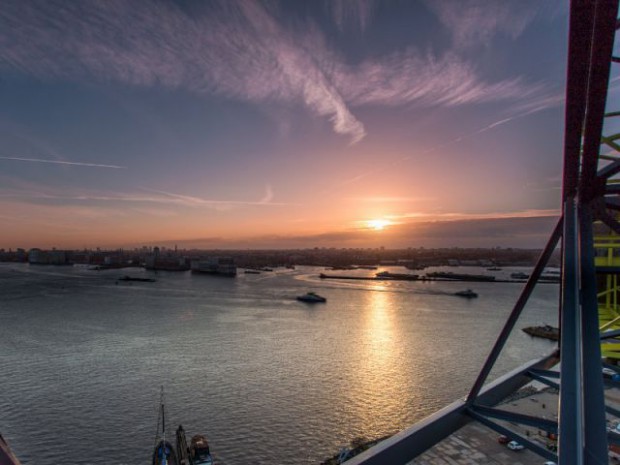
(430, 278)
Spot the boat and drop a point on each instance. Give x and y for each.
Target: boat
(494, 268)
(519, 275)
(460, 276)
(252, 272)
(141, 280)
(163, 453)
(397, 276)
(182, 449)
(199, 453)
(468, 293)
(220, 266)
(547, 332)
(311, 298)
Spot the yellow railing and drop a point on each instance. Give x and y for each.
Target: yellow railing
(607, 250)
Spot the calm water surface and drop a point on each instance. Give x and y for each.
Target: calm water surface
(266, 378)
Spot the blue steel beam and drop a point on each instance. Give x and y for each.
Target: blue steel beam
(516, 311)
(610, 170)
(612, 411)
(595, 445)
(570, 412)
(610, 335)
(591, 187)
(546, 373)
(613, 438)
(605, 12)
(531, 445)
(580, 28)
(541, 379)
(528, 420)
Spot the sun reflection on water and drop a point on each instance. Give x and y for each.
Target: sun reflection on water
(379, 330)
(379, 376)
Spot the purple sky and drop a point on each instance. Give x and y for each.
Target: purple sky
(281, 123)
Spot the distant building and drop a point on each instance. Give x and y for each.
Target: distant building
(48, 257)
(36, 256)
(223, 266)
(167, 263)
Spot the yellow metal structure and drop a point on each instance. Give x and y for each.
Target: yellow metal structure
(607, 250)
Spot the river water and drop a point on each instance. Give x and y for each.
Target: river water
(267, 379)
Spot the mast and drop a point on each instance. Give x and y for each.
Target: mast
(163, 415)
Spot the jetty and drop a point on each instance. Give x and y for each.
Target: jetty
(547, 332)
(426, 278)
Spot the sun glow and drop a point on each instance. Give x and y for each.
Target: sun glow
(378, 225)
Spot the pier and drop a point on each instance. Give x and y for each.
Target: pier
(428, 279)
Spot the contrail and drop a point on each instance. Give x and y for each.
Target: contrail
(59, 162)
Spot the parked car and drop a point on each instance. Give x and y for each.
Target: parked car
(503, 439)
(514, 445)
(614, 428)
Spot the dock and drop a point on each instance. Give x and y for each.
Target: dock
(546, 332)
(427, 279)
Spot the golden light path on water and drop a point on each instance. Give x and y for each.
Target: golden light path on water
(380, 330)
(380, 376)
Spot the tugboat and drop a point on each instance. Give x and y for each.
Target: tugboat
(163, 454)
(199, 452)
(397, 276)
(468, 293)
(140, 280)
(311, 298)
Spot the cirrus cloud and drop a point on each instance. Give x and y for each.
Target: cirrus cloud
(242, 50)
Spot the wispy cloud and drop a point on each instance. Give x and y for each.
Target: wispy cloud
(443, 216)
(476, 21)
(55, 196)
(191, 201)
(242, 50)
(392, 199)
(351, 14)
(411, 77)
(62, 162)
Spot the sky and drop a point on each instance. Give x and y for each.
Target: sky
(281, 124)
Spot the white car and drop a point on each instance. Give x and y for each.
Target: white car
(514, 445)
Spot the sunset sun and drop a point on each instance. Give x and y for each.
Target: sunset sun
(377, 225)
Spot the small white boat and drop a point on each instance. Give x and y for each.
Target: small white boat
(311, 297)
(466, 293)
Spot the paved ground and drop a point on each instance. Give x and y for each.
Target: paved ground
(475, 444)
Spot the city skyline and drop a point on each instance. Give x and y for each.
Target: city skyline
(281, 124)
